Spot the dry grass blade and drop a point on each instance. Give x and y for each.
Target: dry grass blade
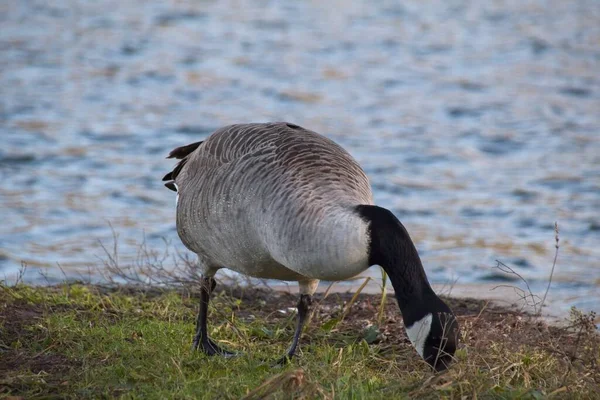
(290, 381)
(349, 305)
(537, 303)
(556, 246)
(383, 296)
(328, 290)
(21, 273)
(524, 295)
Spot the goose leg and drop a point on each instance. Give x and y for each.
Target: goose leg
(303, 311)
(201, 339)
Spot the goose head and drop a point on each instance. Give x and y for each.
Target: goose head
(430, 324)
(434, 333)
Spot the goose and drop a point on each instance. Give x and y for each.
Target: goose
(278, 201)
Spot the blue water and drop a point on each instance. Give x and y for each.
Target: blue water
(478, 123)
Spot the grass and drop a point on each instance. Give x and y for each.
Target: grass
(81, 341)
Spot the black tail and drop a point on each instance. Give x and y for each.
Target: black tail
(180, 153)
(184, 151)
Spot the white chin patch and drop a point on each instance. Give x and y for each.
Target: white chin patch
(418, 332)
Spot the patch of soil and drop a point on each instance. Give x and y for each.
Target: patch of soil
(51, 363)
(17, 321)
(14, 316)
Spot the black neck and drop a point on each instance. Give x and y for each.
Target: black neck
(392, 248)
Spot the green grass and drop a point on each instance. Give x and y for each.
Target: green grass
(79, 341)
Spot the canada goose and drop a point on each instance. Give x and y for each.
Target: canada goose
(277, 201)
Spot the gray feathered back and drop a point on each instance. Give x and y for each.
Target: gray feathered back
(268, 193)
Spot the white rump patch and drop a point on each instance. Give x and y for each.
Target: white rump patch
(418, 332)
(177, 197)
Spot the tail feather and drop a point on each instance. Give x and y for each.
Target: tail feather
(184, 151)
(180, 153)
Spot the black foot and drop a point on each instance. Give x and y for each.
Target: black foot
(201, 339)
(210, 348)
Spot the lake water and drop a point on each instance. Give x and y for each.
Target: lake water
(478, 123)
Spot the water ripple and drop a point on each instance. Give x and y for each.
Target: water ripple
(477, 122)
